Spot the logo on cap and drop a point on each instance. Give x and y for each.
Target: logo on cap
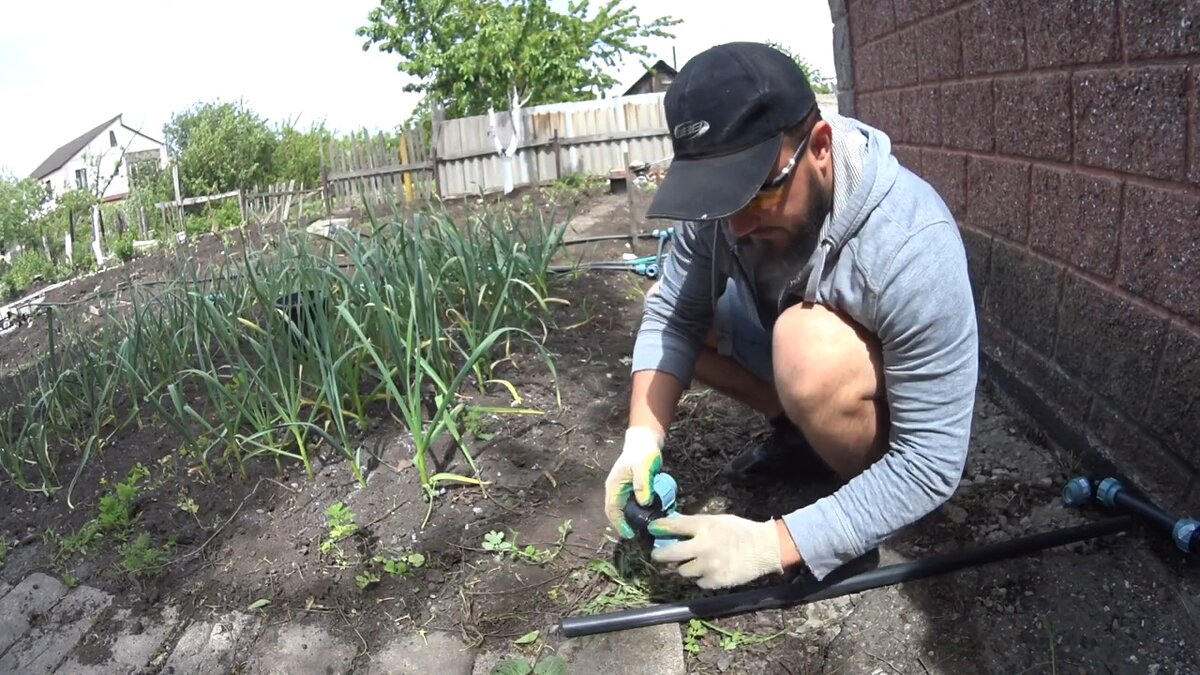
(687, 130)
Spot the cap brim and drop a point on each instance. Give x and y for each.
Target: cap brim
(714, 187)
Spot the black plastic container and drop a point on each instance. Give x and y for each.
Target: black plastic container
(303, 310)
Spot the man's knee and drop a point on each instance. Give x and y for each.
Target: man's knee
(823, 359)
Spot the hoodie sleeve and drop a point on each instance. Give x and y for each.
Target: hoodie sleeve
(677, 317)
(925, 314)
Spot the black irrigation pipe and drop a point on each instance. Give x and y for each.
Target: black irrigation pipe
(788, 595)
(1079, 491)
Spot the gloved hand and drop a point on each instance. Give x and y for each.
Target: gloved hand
(633, 471)
(721, 550)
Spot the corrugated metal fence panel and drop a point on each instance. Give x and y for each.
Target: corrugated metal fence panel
(468, 162)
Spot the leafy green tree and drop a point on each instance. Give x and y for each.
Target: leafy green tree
(297, 154)
(220, 147)
(21, 200)
(820, 83)
(472, 54)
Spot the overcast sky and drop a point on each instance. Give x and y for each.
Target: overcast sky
(68, 65)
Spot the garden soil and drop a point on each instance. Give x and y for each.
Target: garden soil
(516, 555)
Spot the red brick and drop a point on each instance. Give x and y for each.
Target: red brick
(1133, 121)
(900, 59)
(998, 196)
(1022, 294)
(1144, 460)
(995, 339)
(868, 67)
(993, 37)
(909, 157)
(947, 173)
(1076, 218)
(1067, 32)
(870, 20)
(1034, 117)
(1108, 343)
(909, 11)
(940, 49)
(1155, 28)
(1174, 410)
(1194, 176)
(1160, 249)
(1053, 386)
(891, 116)
(967, 114)
(978, 246)
(921, 111)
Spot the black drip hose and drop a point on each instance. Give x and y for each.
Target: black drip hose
(787, 595)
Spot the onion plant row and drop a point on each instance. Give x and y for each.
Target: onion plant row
(272, 354)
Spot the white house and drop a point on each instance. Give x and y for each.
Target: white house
(99, 161)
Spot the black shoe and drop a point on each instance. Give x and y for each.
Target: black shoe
(784, 454)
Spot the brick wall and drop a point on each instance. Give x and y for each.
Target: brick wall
(1063, 135)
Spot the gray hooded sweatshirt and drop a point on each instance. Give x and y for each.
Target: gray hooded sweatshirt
(889, 255)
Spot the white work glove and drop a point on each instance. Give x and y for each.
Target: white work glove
(719, 551)
(633, 472)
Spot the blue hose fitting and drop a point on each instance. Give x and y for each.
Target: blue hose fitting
(1107, 491)
(1183, 533)
(1077, 492)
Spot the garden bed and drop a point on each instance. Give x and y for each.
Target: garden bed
(364, 546)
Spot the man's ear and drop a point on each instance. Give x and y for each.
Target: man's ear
(821, 143)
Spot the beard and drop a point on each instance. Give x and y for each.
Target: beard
(804, 235)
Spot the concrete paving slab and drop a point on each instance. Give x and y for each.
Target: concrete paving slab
(46, 645)
(435, 652)
(211, 646)
(35, 595)
(128, 644)
(300, 649)
(653, 650)
(4, 589)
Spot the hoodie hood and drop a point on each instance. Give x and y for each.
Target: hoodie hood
(864, 170)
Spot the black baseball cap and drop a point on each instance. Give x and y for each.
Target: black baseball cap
(727, 111)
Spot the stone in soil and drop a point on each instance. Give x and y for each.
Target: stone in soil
(43, 648)
(133, 642)
(653, 650)
(300, 649)
(32, 597)
(211, 647)
(435, 652)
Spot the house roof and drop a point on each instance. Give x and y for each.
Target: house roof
(66, 152)
(659, 66)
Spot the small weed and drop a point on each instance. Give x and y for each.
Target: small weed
(391, 565)
(730, 639)
(341, 523)
(495, 541)
(549, 665)
(141, 560)
(114, 518)
(3, 551)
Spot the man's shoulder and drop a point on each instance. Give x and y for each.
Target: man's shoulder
(911, 208)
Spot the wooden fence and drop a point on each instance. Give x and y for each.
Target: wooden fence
(379, 168)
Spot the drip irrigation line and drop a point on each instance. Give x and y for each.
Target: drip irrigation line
(792, 594)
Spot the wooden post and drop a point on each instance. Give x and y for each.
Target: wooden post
(242, 205)
(324, 179)
(178, 199)
(557, 157)
(633, 219)
(97, 251)
(406, 177)
(435, 128)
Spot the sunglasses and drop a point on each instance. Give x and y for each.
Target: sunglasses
(770, 191)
